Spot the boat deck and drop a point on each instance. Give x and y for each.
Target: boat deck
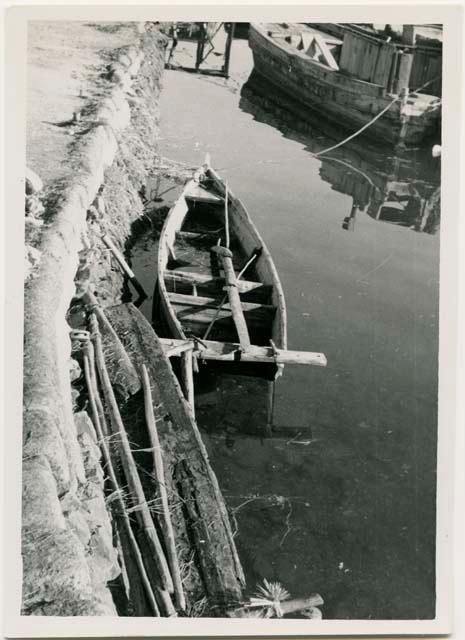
(282, 30)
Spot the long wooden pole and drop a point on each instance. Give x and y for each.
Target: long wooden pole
(122, 371)
(93, 394)
(142, 511)
(124, 266)
(226, 215)
(226, 352)
(167, 529)
(233, 295)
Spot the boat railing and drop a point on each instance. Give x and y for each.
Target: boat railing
(394, 65)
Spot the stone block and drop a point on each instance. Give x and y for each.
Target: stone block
(41, 509)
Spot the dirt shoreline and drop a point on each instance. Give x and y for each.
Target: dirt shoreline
(92, 154)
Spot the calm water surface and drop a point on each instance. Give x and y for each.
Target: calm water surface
(342, 500)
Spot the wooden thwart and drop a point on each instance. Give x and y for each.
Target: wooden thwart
(190, 277)
(196, 193)
(207, 302)
(228, 351)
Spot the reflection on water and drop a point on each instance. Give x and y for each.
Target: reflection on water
(399, 189)
(341, 500)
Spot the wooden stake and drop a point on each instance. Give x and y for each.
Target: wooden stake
(270, 408)
(162, 596)
(226, 215)
(167, 529)
(188, 378)
(88, 357)
(124, 266)
(227, 51)
(142, 511)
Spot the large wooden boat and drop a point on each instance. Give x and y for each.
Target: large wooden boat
(353, 76)
(217, 281)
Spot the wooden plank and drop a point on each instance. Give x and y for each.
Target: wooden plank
(229, 352)
(210, 236)
(196, 193)
(198, 316)
(326, 52)
(181, 440)
(205, 302)
(243, 286)
(195, 316)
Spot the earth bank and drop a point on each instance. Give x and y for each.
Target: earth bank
(92, 141)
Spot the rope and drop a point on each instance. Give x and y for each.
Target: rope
(368, 124)
(357, 133)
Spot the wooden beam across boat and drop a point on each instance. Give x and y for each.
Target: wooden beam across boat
(204, 302)
(204, 279)
(231, 352)
(196, 193)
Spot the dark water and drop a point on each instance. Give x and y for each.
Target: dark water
(342, 500)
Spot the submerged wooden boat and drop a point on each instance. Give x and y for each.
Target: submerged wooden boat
(229, 298)
(350, 76)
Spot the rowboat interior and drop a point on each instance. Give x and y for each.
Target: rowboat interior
(191, 279)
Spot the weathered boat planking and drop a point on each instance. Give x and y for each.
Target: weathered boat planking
(188, 474)
(196, 277)
(351, 78)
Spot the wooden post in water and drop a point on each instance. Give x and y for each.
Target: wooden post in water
(226, 215)
(404, 120)
(270, 408)
(403, 75)
(200, 45)
(227, 51)
(187, 365)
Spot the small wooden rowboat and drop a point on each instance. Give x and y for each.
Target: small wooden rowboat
(218, 287)
(216, 278)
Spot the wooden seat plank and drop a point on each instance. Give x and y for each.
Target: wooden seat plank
(196, 193)
(244, 286)
(207, 302)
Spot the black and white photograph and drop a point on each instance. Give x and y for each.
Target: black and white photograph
(231, 320)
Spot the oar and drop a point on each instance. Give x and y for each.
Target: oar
(255, 255)
(233, 295)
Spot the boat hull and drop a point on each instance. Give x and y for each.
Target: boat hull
(339, 97)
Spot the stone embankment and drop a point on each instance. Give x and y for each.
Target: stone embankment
(68, 542)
